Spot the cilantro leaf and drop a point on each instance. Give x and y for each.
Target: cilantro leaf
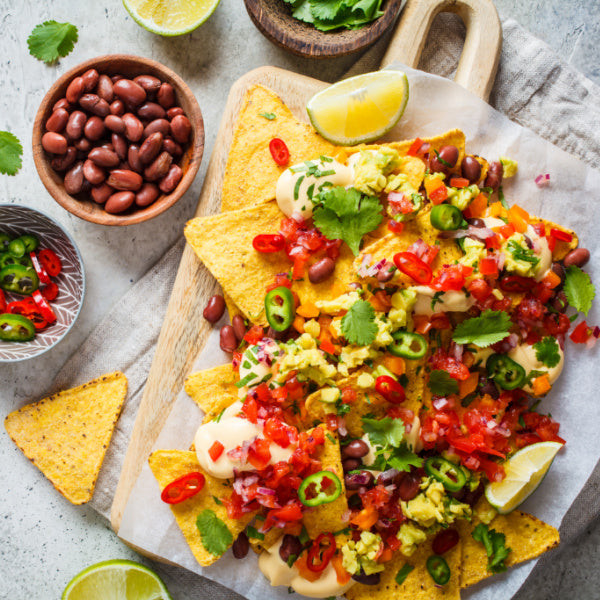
(441, 384)
(51, 40)
(403, 458)
(547, 352)
(347, 215)
(494, 544)
(579, 289)
(403, 573)
(216, 538)
(10, 153)
(358, 324)
(327, 10)
(491, 327)
(268, 115)
(384, 432)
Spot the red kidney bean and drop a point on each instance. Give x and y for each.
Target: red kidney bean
(121, 179)
(159, 168)
(408, 485)
(493, 179)
(119, 202)
(227, 339)
(577, 257)
(102, 193)
(559, 270)
(129, 91)
(148, 193)
(54, 143)
(239, 327)
(290, 546)
(166, 95)
(355, 481)
(172, 147)
(133, 158)
(114, 123)
(120, 145)
(372, 579)
(104, 157)
(83, 144)
(148, 82)
(444, 541)
(133, 127)
(117, 108)
(94, 128)
(214, 309)
(115, 78)
(94, 104)
(241, 546)
(173, 112)
(150, 148)
(105, 88)
(57, 121)
(351, 464)
(321, 270)
(151, 111)
(171, 180)
(74, 179)
(161, 125)
(108, 146)
(63, 162)
(181, 128)
(470, 169)
(93, 173)
(355, 449)
(448, 154)
(62, 103)
(74, 90)
(90, 79)
(75, 124)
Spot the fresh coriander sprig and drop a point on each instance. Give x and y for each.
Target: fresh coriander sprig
(51, 40)
(11, 151)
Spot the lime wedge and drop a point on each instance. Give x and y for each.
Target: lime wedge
(116, 580)
(170, 17)
(524, 472)
(359, 109)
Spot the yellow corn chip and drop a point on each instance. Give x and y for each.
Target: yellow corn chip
(168, 465)
(527, 537)
(271, 538)
(562, 248)
(66, 435)
(418, 585)
(213, 390)
(251, 173)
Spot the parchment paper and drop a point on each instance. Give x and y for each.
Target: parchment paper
(436, 104)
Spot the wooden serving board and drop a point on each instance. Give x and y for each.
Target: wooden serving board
(185, 331)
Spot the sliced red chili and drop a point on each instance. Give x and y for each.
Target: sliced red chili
(414, 267)
(43, 307)
(390, 389)
(39, 269)
(562, 236)
(20, 307)
(321, 552)
(268, 242)
(182, 488)
(50, 262)
(279, 151)
(215, 451)
(50, 291)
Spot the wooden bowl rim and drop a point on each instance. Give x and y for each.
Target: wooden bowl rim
(326, 44)
(80, 207)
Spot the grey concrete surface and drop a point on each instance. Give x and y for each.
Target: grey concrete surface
(44, 540)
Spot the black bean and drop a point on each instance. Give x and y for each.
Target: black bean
(290, 546)
(355, 449)
(241, 545)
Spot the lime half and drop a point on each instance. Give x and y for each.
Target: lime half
(116, 580)
(524, 472)
(170, 17)
(359, 109)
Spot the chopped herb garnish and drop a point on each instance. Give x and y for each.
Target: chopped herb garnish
(267, 115)
(502, 198)
(522, 254)
(403, 573)
(297, 187)
(254, 534)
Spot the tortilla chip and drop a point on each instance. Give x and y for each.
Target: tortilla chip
(527, 536)
(328, 517)
(271, 538)
(232, 308)
(168, 465)
(418, 585)
(251, 173)
(562, 248)
(66, 435)
(453, 137)
(213, 390)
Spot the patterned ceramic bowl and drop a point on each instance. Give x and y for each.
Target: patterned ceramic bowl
(17, 220)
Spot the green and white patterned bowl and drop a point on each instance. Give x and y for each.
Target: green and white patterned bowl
(17, 220)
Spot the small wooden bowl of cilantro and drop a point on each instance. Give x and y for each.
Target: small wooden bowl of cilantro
(323, 29)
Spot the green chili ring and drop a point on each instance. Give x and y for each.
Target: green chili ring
(16, 328)
(279, 308)
(440, 469)
(324, 494)
(446, 217)
(438, 568)
(507, 373)
(408, 345)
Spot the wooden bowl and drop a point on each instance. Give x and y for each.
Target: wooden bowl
(274, 20)
(130, 66)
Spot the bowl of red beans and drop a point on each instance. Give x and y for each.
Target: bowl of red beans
(42, 283)
(118, 139)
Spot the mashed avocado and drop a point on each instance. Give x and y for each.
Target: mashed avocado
(411, 536)
(462, 197)
(343, 302)
(519, 258)
(509, 167)
(365, 381)
(399, 183)
(474, 252)
(485, 512)
(372, 169)
(302, 355)
(402, 304)
(361, 555)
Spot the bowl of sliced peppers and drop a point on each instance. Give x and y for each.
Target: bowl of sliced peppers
(42, 283)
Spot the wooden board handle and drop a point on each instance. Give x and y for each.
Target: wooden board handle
(481, 53)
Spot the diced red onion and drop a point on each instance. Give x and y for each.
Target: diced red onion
(501, 258)
(364, 266)
(297, 216)
(418, 248)
(346, 516)
(542, 180)
(439, 403)
(265, 491)
(456, 351)
(342, 426)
